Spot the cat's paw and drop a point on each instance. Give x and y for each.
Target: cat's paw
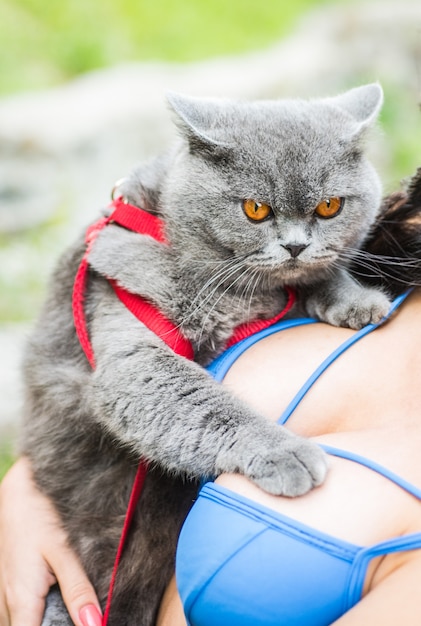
(369, 307)
(291, 466)
(355, 309)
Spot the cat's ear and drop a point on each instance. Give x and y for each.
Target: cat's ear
(200, 122)
(362, 103)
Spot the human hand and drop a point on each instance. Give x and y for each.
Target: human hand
(34, 555)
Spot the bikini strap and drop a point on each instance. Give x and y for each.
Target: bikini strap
(376, 467)
(335, 354)
(220, 366)
(411, 541)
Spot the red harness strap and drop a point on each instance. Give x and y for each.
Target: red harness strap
(250, 328)
(142, 222)
(155, 321)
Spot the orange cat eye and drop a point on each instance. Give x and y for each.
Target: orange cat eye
(329, 208)
(256, 211)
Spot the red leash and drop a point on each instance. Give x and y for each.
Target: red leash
(139, 481)
(142, 222)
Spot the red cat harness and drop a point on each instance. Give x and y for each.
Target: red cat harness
(139, 221)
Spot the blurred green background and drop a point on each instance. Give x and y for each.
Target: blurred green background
(6, 452)
(45, 44)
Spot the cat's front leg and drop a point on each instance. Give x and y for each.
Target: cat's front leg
(170, 411)
(124, 256)
(342, 301)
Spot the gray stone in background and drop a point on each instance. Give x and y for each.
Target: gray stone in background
(66, 146)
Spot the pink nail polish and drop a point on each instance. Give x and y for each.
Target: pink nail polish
(90, 616)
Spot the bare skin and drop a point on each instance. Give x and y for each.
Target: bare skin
(367, 402)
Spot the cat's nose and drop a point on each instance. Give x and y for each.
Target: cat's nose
(295, 248)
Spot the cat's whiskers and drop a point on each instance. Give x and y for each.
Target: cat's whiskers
(338, 265)
(355, 254)
(225, 267)
(333, 267)
(225, 291)
(225, 273)
(249, 287)
(389, 236)
(252, 283)
(255, 279)
(367, 260)
(384, 274)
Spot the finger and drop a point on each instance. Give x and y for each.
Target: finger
(78, 593)
(28, 613)
(4, 614)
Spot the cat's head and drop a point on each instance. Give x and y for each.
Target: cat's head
(284, 184)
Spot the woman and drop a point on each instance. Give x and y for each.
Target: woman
(364, 403)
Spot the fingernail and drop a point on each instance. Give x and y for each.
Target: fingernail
(90, 616)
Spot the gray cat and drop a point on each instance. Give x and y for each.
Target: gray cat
(254, 197)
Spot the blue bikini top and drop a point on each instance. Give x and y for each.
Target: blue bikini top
(335, 569)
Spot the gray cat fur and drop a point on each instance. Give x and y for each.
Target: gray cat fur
(85, 430)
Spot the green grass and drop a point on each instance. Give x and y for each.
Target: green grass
(45, 43)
